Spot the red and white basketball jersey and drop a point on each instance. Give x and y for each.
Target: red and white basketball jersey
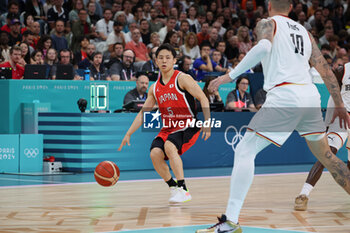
(288, 60)
(174, 104)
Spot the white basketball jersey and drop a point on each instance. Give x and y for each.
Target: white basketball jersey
(345, 89)
(288, 61)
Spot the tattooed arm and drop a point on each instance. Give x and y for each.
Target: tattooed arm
(264, 30)
(317, 60)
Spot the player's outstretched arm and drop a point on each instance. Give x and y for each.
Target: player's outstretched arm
(187, 83)
(317, 60)
(264, 30)
(148, 106)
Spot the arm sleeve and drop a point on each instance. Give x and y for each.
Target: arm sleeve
(253, 57)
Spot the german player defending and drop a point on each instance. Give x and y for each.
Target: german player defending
(174, 92)
(285, 49)
(336, 137)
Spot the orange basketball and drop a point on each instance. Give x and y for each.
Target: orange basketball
(107, 173)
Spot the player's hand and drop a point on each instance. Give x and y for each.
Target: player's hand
(206, 132)
(344, 119)
(214, 85)
(126, 139)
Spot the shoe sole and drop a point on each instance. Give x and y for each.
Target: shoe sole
(174, 203)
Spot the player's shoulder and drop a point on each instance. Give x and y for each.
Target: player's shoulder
(150, 90)
(184, 77)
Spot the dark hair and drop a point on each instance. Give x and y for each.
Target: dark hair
(206, 85)
(239, 80)
(168, 36)
(218, 42)
(84, 37)
(27, 56)
(205, 44)
(42, 40)
(34, 53)
(16, 47)
(25, 18)
(82, 9)
(117, 43)
(10, 3)
(65, 51)
(87, 5)
(168, 47)
(96, 53)
(171, 18)
(143, 19)
(184, 21)
(326, 47)
(27, 33)
(107, 9)
(181, 61)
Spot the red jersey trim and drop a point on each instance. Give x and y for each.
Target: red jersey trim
(336, 134)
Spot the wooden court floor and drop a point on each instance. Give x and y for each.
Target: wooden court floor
(88, 207)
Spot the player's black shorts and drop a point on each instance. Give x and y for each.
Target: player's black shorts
(183, 140)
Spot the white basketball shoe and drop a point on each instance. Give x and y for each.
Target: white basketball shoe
(179, 195)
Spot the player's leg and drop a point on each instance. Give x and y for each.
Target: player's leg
(159, 164)
(175, 162)
(174, 159)
(319, 147)
(241, 180)
(157, 156)
(311, 180)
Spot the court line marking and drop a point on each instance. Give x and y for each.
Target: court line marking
(206, 225)
(333, 227)
(57, 183)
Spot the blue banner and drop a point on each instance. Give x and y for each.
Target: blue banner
(31, 153)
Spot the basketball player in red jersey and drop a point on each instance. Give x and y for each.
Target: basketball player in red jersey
(174, 92)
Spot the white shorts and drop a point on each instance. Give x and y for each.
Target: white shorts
(288, 108)
(336, 135)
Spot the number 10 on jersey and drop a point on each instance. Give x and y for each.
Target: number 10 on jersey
(298, 42)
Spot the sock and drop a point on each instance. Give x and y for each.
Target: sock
(307, 188)
(243, 172)
(171, 182)
(181, 183)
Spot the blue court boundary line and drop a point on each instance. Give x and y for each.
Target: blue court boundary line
(205, 226)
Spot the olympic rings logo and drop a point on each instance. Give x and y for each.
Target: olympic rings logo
(236, 138)
(31, 152)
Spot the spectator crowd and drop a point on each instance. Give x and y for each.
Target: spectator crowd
(117, 39)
